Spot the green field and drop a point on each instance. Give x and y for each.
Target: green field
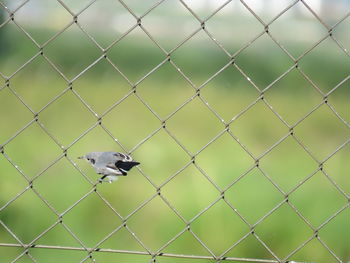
(217, 165)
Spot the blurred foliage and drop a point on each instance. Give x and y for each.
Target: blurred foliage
(263, 61)
(194, 126)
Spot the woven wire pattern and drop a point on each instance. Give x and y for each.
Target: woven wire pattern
(225, 129)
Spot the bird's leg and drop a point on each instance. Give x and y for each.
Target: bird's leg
(102, 179)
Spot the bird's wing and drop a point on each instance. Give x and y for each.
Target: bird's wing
(115, 169)
(122, 157)
(121, 163)
(126, 166)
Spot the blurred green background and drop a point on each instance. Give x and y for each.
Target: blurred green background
(130, 121)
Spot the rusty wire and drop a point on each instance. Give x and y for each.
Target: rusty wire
(225, 129)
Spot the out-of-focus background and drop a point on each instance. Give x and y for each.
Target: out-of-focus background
(268, 132)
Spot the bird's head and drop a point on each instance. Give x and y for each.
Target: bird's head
(90, 157)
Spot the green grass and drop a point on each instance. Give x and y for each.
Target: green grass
(194, 125)
(223, 161)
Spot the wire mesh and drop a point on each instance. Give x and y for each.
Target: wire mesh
(225, 128)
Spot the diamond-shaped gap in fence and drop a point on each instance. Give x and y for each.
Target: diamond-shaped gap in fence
(62, 175)
(8, 254)
(165, 90)
(38, 83)
(12, 181)
(167, 18)
(288, 164)
(67, 118)
(258, 128)
(199, 58)
(317, 199)
(313, 251)
(32, 150)
(128, 193)
(332, 65)
(250, 247)
(97, 140)
(241, 24)
(190, 192)
(293, 97)
(121, 257)
(91, 220)
(336, 236)
(224, 160)
(258, 65)
(188, 124)
(339, 32)
(267, 10)
(101, 86)
(283, 231)
(131, 121)
(105, 21)
(23, 212)
(43, 19)
(229, 93)
(161, 157)
(338, 168)
(181, 246)
(13, 53)
(219, 227)
(122, 240)
(135, 54)
(16, 113)
(57, 255)
(339, 100)
(253, 196)
(322, 132)
(291, 28)
(68, 51)
(76, 6)
(155, 224)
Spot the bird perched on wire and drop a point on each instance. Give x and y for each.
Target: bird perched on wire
(110, 164)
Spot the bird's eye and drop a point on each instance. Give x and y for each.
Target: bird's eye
(92, 161)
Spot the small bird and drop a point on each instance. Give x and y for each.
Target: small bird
(110, 164)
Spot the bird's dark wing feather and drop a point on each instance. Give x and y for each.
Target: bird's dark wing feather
(126, 165)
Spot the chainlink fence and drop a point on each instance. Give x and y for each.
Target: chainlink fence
(22, 183)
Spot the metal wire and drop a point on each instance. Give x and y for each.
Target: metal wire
(225, 130)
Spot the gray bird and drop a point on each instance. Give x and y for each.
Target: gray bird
(110, 164)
